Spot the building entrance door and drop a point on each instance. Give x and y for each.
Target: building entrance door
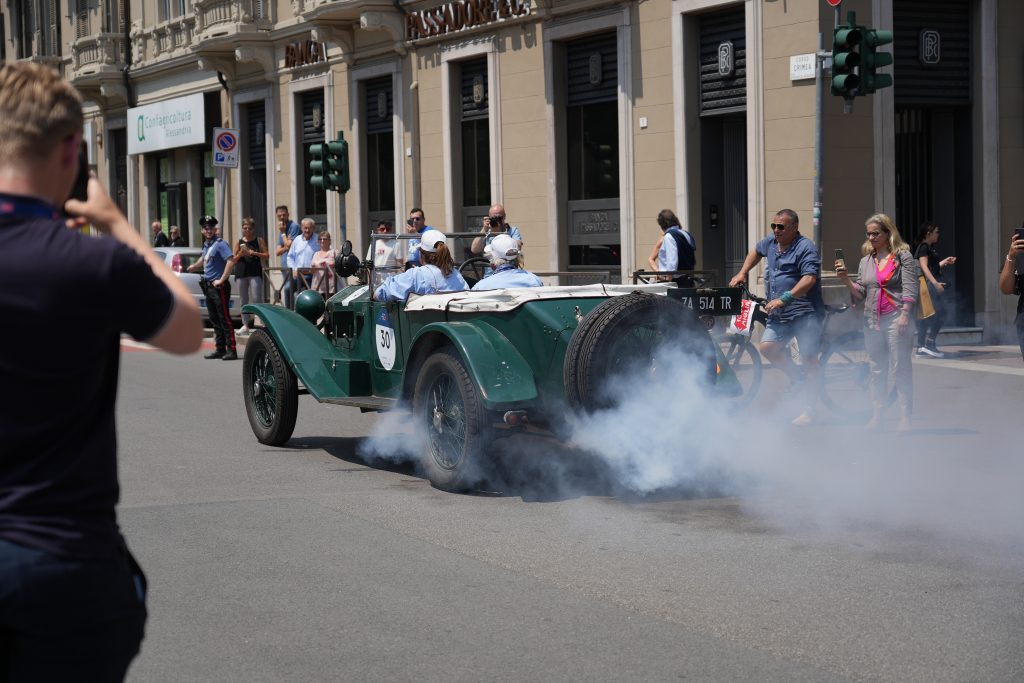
(724, 194)
(723, 240)
(933, 181)
(177, 207)
(934, 150)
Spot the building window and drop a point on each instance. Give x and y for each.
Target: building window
(380, 159)
(23, 30)
(115, 15)
(169, 9)
(314, 199)
(476, 141)
(593, 151)
(80, 17)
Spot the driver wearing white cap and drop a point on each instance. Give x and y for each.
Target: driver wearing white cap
(507, 261)
(436, 272)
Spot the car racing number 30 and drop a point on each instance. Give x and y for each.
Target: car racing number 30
(384, 331)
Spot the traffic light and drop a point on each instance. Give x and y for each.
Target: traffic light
(318, 151)
(846, 42)
(873, 60)
(337, 164)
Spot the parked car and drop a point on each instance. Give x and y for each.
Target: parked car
(469, 362)
(179, 259)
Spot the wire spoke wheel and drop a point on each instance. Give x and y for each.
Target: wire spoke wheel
(269, 389)
(264, 389)
(446, 404)
(744, 360)
(446, 423)
(846, 376)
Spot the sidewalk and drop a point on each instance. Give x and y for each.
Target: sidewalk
(1001, 359)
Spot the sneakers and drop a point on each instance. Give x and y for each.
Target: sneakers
(929, 351)
(214, 355)
(230, 355)
(803, 419)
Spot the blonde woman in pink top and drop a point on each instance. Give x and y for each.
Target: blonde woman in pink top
(887, 283)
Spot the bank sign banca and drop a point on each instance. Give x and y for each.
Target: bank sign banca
(165, 125)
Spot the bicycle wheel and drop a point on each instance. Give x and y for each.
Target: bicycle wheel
(744, 361)
(845, 374)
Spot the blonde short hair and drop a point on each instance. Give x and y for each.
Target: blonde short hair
(892, 235)
(38, 109)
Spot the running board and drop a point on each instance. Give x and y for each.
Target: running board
(367, 403)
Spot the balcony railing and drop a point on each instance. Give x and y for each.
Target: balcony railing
(95, 52)
(174, 34)
(212, 15)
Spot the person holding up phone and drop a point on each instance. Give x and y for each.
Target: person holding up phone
(72, 598)
(495, 224)
(1011, 280)
(931, 268)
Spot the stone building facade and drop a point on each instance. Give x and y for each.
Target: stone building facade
(584, 118)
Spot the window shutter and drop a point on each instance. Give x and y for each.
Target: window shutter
(723, 93)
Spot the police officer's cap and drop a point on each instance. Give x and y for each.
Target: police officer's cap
(207, 221)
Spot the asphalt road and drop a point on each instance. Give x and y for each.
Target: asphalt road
(784, 554)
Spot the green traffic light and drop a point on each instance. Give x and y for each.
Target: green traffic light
(846, 37)
(877, 37)
(845, 60)
(317, 150)
(874, 60)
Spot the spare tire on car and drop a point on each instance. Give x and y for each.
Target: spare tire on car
(622, 339)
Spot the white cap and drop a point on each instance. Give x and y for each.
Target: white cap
(429, 238)
(502, 248)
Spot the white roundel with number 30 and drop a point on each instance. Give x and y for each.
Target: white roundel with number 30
(385, 335)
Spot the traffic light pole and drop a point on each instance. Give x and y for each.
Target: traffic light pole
(819, 151)
(819, 125)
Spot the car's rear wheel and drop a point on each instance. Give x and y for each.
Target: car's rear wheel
(625, 340)
(447, 406)
(270, 390)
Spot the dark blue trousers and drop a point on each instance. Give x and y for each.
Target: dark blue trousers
(65, 619)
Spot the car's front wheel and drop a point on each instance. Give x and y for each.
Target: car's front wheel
(447, 407)
(270, 390)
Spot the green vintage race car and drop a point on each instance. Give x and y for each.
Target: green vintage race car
(467, 363)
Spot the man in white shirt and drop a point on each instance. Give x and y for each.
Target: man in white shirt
(300, 254)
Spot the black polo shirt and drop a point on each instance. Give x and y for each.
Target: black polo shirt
(65, 299)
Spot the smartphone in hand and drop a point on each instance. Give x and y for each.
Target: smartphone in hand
(1018, 234)
(80, 190)
(840, 258)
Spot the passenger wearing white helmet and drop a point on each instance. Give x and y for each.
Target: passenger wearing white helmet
(507, 261)
(436, 272)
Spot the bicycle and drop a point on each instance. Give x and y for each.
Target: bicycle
(845, 370)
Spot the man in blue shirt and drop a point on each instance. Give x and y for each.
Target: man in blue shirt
(288, 230)
(494, 225)
(793, 289)
(217, 263)
(418, 225)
